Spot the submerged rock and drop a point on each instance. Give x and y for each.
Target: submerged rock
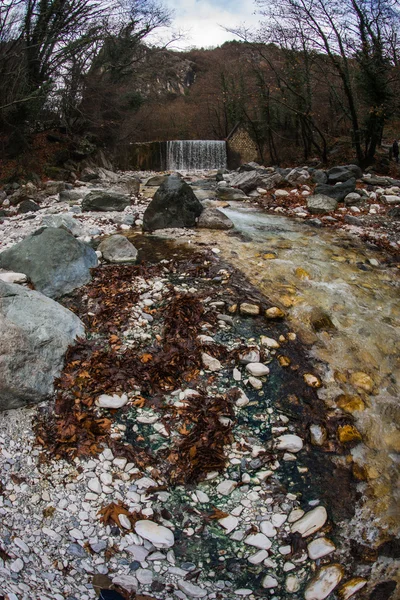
(311, 522)
(35, 333)
(174, 205)
(324, 583)
(212, 218)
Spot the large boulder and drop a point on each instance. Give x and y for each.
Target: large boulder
(65, 220)
(338, 191)
(298, 176)
(212, 218)
(105, 201)
(55, 262)
(118, 249)
(35, 333)
(251, 180)
(340, 174)
(174, 205)
(318, 204)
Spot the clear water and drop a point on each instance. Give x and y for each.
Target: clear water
(302, 269)
(193, 155)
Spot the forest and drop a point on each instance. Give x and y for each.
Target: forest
(317, 79)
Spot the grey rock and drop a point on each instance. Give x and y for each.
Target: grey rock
(353, 199)
(105, 201)
(35, 333)
(298, 176)
(319, 176)
(338, 191)
(319, 204)
(27, 206)
(89, 174)
(351, 220)
(251, 180)
(174, 205)
(54, 261)
(156, 180)
(230, 193)
(250, 166)
(212, 218)
(63, 220)
(72, 195)
(344, 173)
(77, 551)
(118, 249)
(394, 213)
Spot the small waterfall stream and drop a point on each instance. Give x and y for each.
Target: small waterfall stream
(193, 155)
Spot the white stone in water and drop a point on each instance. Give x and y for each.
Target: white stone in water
(242, 400)
(124, 521)
(251, 356)
(237, 376)
(352, 586)
(310, 522)
(268, 529)
(229, 523)
(320, 547)
(114, 401)
(210, 363)
(318, 435)
(258, 540)
(324, 582)
(257, 369)
(94, 485)
(269, 582)
(194, 591)
(278, 519)
(290, 442)
(269, 342)
(202, 496)
(292, 584)
(255, 383)
(226, 487)
(258, 557)
(158, 535)
(295, 515)
(243, 592)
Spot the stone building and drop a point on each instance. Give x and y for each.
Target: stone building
(241, 148)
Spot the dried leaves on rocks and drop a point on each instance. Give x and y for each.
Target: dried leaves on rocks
(102, 364)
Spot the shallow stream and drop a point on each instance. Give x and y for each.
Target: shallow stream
(342, 298)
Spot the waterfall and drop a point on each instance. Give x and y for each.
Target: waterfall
(193, 155)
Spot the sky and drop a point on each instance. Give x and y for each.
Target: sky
(204, 20)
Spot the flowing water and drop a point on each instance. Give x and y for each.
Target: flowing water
(343, 300)
(191, 155)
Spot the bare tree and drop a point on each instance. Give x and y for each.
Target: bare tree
(358, 37)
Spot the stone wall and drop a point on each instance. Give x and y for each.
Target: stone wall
(241, 148)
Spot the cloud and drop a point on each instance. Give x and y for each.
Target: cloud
(204, 21)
